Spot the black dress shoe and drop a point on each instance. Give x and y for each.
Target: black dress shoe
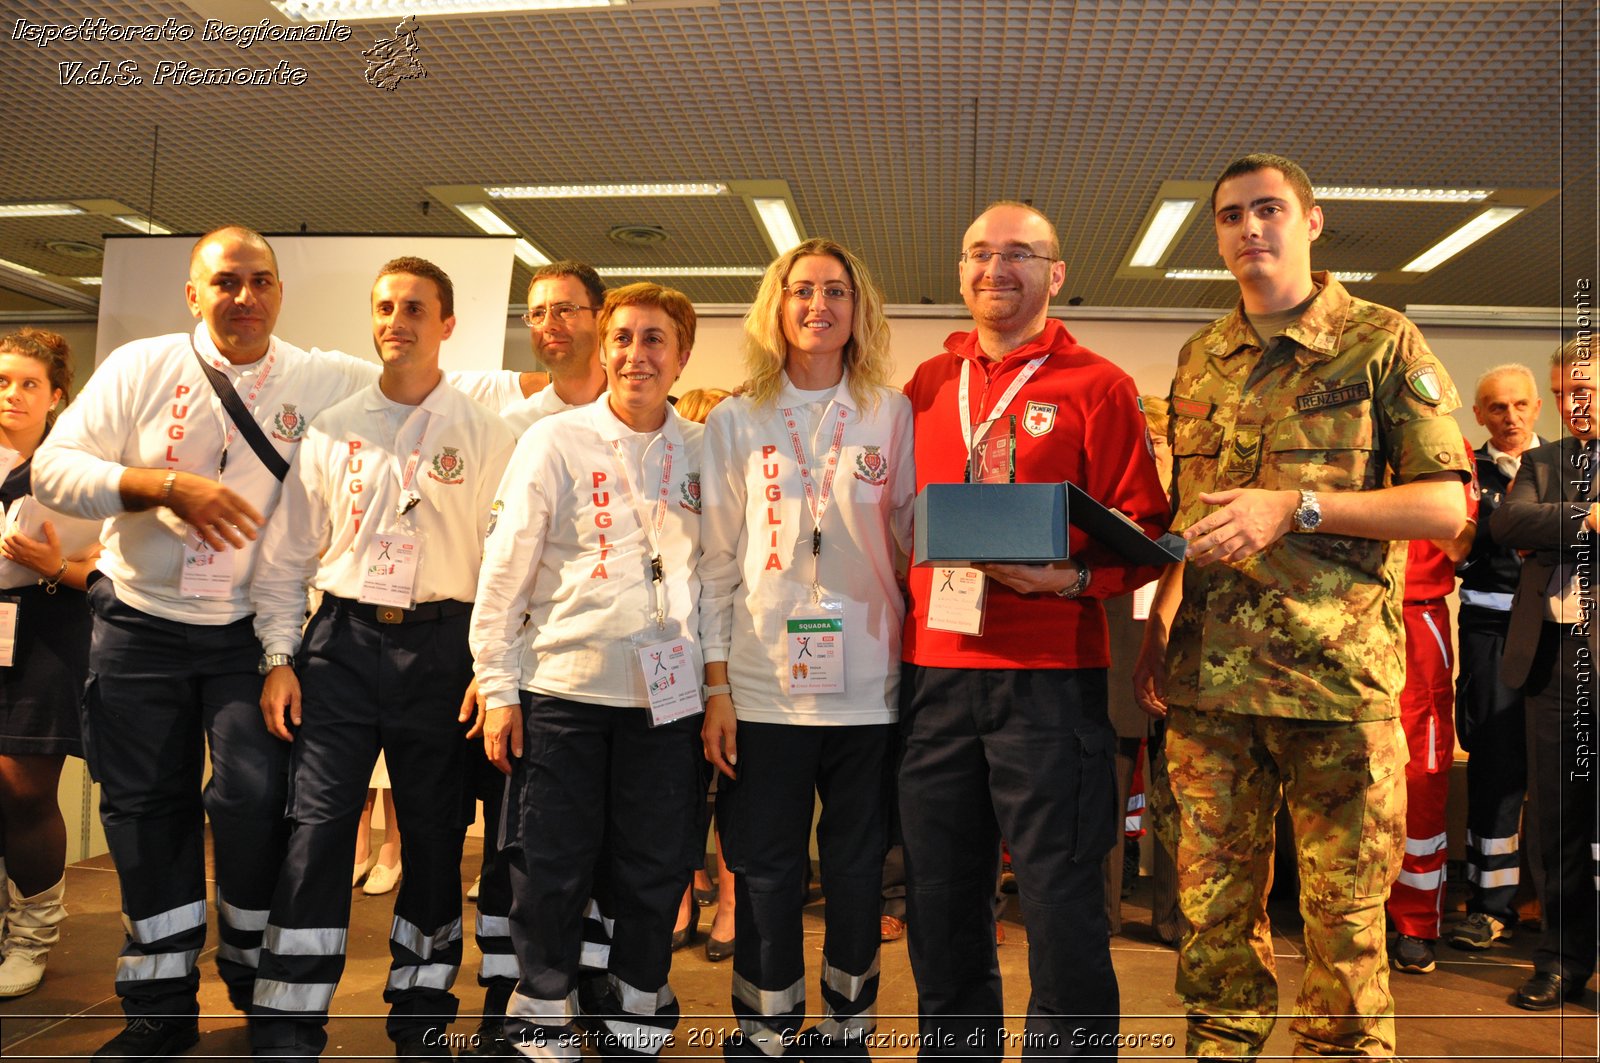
(146, 1038)
(683, 938)
(1546, 990)
(718, 950)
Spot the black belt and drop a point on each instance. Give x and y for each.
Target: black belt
(393, 614)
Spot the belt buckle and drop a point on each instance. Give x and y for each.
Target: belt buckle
(391, 614)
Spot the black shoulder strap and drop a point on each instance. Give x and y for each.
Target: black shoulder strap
(241, 418)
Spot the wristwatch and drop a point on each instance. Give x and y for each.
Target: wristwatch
(1080, 586)
(269, 661)
(1308, 517)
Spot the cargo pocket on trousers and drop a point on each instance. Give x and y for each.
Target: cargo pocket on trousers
(1383, 821)
(1098, 818)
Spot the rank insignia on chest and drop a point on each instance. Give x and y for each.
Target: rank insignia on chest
(689, 491)
(1424, 383)
(1039, 418)
(449, 467)
(872, 467)
(1244, 454)
(1340, 396)
(289, 425)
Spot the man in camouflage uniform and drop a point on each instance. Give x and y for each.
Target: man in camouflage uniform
(1309, 429)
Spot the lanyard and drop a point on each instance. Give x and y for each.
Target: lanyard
(816, 500)
(971, 433)
(409, 498)
(230, 429)
(652, 527)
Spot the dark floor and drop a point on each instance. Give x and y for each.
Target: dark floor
(1460, 1011)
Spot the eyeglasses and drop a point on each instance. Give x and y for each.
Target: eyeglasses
(1011, 258)
(562, 312)
(834, 293)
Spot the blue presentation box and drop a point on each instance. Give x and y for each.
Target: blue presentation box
(1024, 524)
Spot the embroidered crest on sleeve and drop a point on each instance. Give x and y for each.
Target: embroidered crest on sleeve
(449, 467)
(872, 467)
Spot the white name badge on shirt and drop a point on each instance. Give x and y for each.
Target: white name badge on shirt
(670, 680)
(957, 602)
(8, 632)
(816, 649)
(391, 570)
(207, 573)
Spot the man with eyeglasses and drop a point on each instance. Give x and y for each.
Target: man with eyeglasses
(1006, 730)
(562, 300)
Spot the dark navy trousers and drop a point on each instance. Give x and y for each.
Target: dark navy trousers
(159, 693)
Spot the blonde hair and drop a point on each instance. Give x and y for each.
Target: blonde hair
(696, 405)
(866, 353)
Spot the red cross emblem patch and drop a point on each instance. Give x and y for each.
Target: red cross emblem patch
(1039, 418)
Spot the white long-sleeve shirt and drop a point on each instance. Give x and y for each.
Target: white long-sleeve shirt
(756, 566)
(569, 549)
(150, 406)
(345, 486)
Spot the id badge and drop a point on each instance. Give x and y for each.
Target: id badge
(957, 602)
(815, 640)
(671, 680)
(9, 611)
(391, 569)
(207, 573)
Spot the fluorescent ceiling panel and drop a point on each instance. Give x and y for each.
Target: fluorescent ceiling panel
(702, 188)
(1404, 195)
(1164, 228)
(143, 225)
(486, 219)
(364, 10)
(37, 210)
(1461, 239)
(781, 229)
(680, 271)
(1343, 276)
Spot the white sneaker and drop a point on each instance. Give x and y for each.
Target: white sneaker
(381, 879)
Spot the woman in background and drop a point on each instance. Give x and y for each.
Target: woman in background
(47, 559)
(808, 490)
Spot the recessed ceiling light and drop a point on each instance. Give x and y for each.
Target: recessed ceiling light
(143, 225)
(93, 282)
(1343, 276)
(486, 219)
(612, 191)
(781, 229)
(529, 255)
(680, 271)
(1461, 239)
(1404, 195)
(6, 263)
(37, 210)
(361, 10)
(1164, 228)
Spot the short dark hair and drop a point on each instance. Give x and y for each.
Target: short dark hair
(571, 267)
(243, 235)
(421, 267)
(1261, 160)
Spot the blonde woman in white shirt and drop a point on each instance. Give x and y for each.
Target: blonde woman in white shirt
(594, 703)
(808, 488)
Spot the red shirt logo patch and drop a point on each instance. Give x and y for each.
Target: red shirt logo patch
(1039, 418)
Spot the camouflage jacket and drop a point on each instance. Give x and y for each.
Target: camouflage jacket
(1347, 398)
